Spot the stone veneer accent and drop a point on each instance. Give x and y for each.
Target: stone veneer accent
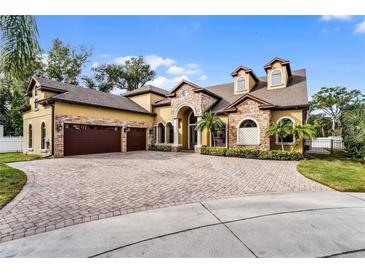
(198, 101)
(249, 109)
(70, 119)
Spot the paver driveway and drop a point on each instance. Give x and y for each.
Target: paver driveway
(67, 191)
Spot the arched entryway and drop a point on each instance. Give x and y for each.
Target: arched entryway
(188, 137)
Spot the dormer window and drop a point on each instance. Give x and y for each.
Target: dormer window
(241, 84)
(276, 77)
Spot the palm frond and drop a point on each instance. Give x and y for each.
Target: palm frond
(19, 40)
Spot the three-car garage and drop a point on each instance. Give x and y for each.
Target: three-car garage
(91, 139)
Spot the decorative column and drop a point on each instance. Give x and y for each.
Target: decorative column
(176, 132)
(199, 136)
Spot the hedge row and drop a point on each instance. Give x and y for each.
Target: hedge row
(159, 147)
(252, 153)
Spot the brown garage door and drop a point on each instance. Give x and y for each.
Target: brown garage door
(88, 139)
(136, 139)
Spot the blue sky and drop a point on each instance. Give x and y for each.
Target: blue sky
(206, 49)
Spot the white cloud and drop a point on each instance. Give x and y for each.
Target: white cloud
(121, 60)
(360, 28)
(156, 61)
(189, 69)
(153, 60)
(167, 83)
(203, 77)
(335, 17)
(44, 59)
(117, 91)
(95, 64)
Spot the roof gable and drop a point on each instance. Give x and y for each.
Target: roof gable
(247, 70)
(283, 62)
(232, 107)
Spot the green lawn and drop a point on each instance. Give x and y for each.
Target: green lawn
(16, 157)
(338, 172)
(12, 180)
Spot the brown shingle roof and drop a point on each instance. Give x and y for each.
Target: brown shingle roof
(146, 89)
(85, 96)
(295, 94)
(162, 102)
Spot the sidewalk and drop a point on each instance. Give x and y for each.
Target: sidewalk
(277, 225)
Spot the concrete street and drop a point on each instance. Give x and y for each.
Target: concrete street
(318, 224)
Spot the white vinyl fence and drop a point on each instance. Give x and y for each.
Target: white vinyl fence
(9, 144)
(324, 145)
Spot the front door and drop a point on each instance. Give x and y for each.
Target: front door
(193, 137)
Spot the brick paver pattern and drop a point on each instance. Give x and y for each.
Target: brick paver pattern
(73, 190)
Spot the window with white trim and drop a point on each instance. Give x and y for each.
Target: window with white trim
(161, 133)
(276, 77)
(30, 136)
(241, 84)
(43, 135)
(248, 133)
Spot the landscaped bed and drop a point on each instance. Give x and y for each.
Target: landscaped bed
(12, 180)
(338, 172)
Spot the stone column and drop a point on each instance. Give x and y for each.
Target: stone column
(176, 132)
(199, 136)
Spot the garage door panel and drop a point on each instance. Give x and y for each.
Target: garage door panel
(80, 140)
(136, 139)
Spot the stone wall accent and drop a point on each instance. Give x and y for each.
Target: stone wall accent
(81, 120)
(249, 109)
(198, 101)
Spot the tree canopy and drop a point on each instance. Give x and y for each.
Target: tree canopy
(64, 62)
(135, 73)
(333, 101)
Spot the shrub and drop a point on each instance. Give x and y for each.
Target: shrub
(159, 147)
(252, 153)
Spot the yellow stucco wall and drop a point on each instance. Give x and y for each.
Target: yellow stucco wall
(62, 108)
(294, 114)
(284, 74)
(43, 114)
(146, 100)
(163, 114)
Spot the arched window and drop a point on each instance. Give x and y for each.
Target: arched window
(248, 133)
(276, 77)
(161, 133)
(241, 84)
(43, 135)
(30, 136)
(170, 133)
(286, 139)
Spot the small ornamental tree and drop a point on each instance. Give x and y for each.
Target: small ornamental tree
(299, 132)
(212, 123)
(280, 129)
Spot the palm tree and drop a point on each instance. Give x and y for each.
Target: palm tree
(281, 129)
(19, 47)
(211, 122)
(300, 131)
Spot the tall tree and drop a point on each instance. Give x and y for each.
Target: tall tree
(333, 101)
(19, 44)
(135, 73)
(64, 63)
